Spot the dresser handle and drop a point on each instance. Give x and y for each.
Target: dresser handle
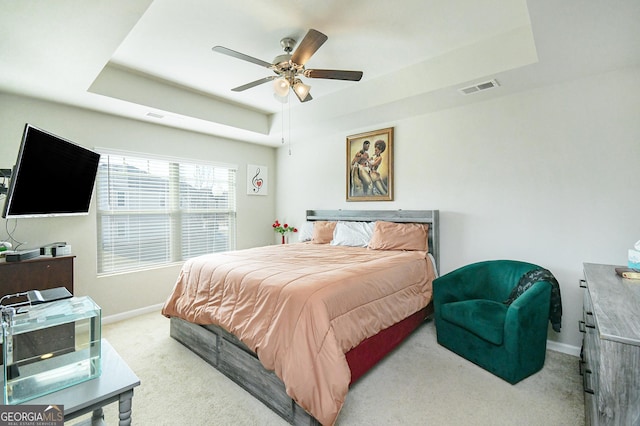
(584, 383)
(583, 283)
(583, 370)
(582, 325)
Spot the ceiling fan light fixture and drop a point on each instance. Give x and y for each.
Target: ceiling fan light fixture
(281, 86)
(302, 90)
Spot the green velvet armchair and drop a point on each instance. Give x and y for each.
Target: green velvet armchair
(473, 320)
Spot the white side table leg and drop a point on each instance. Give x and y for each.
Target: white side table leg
(97, 418)
(125, 407)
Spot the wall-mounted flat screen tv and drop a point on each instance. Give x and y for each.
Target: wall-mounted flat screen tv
(52, 177)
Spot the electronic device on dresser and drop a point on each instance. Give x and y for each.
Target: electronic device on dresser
(56, 249)
(52, 177)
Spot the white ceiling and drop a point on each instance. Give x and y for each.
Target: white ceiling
(135, 57)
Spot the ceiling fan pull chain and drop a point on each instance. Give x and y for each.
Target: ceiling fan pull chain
(289, 125)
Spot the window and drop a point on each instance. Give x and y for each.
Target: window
(154, 211)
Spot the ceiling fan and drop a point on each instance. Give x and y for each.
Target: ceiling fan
(289, 67)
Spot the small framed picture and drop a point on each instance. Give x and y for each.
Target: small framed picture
(257, 179)
(370, 166)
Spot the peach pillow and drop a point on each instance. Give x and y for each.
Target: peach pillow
(399, 236)
(323, 232)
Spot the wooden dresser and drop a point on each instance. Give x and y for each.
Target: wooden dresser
(610, 358)
(39, 273)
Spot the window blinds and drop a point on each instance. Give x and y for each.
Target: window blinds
(154, 211)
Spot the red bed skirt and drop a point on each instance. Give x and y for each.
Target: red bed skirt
(370, 351)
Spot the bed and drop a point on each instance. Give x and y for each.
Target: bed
(297, 324)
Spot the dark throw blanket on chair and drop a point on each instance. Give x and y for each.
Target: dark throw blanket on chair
(532, 277)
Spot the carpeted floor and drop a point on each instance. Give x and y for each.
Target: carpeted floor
(421, 383)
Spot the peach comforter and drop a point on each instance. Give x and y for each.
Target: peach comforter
(301, 307)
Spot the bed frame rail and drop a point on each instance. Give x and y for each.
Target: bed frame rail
(235, 360)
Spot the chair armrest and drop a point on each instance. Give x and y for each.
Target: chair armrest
(527, 317)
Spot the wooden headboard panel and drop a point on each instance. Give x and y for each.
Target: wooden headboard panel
(432, 217)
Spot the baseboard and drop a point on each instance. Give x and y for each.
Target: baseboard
(564, 348)
(130, 314)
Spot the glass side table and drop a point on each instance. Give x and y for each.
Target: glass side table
(49, 347)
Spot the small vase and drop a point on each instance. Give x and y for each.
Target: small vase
(283, 240)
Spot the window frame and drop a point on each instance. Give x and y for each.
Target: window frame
(174, 214)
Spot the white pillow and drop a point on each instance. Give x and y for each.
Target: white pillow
(305, 233)
(353, 234)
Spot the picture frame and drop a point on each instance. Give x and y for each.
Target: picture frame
(257, 180)
(370, 166)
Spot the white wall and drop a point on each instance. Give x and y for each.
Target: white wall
(125, 292)
(548, 176)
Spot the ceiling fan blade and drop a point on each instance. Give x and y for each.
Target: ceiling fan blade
(242, 56)
(253, 83)
(334, 74)
(308, 46)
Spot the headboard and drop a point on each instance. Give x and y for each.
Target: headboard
(432, 217)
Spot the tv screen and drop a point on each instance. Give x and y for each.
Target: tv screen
(51, 177)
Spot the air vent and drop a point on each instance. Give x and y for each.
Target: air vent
(479, 87)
